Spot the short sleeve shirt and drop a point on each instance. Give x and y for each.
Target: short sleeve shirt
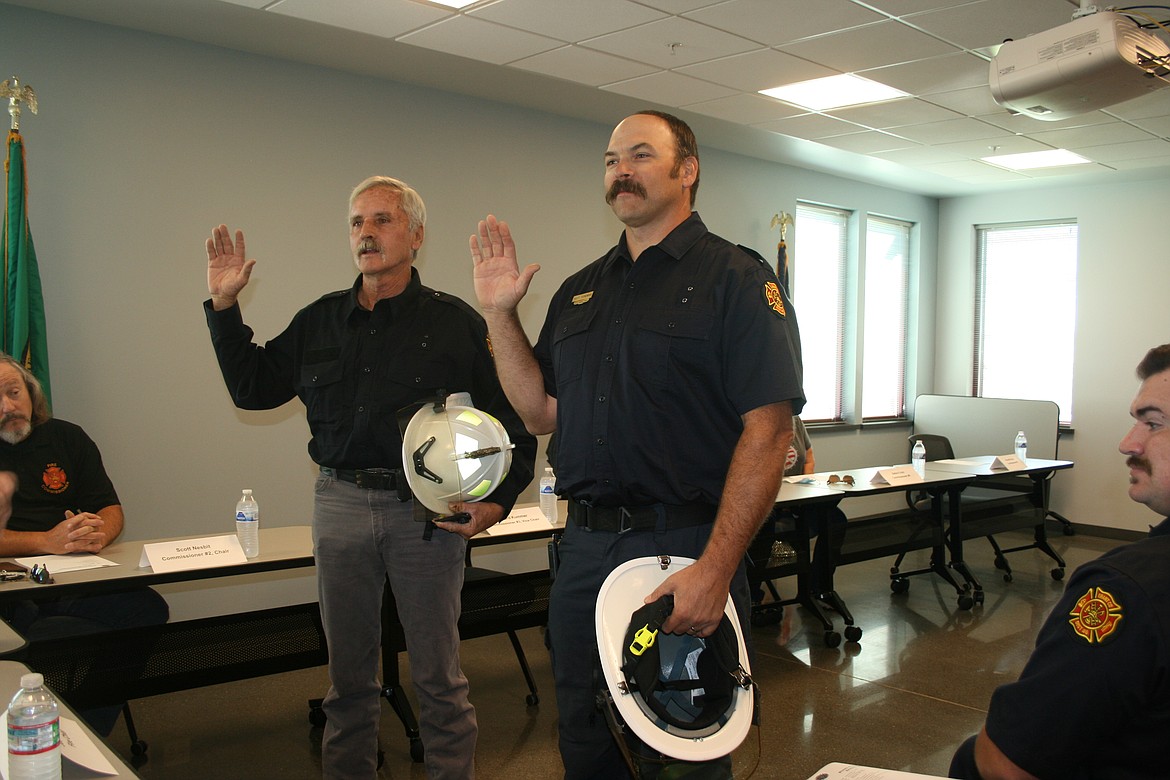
(1093, 700)
(654, 362)
(60, 468)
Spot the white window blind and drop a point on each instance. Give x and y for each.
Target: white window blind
(887, 285)
(818, 268)
(1026, 283)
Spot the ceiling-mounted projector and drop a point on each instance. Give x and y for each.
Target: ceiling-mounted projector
(1092, 62)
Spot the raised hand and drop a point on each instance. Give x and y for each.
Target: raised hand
(227, 270)
(499, 282)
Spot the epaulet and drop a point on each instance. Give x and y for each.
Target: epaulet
(447, 298)
(335, 294)
(753, 253)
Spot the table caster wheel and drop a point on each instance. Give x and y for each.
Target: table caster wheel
(1058, 574)
(832, 639)
(853, 633)
(900, 585)
(966, 602)
(532, 700)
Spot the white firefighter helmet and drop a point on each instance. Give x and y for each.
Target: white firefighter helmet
(686, 697)
(454, 452)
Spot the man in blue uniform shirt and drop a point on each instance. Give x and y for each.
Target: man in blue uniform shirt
(354, 358)
(1093, 700)
(670, 371)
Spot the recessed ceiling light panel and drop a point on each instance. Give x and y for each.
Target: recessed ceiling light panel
(834, 92)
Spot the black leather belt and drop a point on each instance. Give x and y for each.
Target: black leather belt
(373, 479)
(639, 518)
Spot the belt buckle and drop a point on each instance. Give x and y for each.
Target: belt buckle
(625, 520)
(374, 479)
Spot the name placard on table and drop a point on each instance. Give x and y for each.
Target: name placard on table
(896, 475)
(186, 554)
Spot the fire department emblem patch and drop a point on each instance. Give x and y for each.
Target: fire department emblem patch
(54, 479)
(1096, 615)
(774, 299)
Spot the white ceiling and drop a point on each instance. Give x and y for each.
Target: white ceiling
(705, 60)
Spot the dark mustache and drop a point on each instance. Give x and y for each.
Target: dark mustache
(1135, 462)
(624, 185)
(368, 245)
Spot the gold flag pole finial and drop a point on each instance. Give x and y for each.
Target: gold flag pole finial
(15, 93)
(783, 219)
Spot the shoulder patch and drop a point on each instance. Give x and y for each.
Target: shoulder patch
(774, 299)
(1096, 616)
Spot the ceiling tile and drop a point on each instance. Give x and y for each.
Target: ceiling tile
(949, 131)
(1134, 150)
(1158, 125)
(869, 47)
(999, 144)
(903, 7)
(991, 21)
(1140, 164)
(1026, 125)
(894, 113)
(480, 40)
(867, 142)
(671, 43)
(947, 73)
(679, 6)
(1111, 132)
(964, 168)
(973, 101)
(919, 155)
(745, 109)
(1150, 104)
(774, 22)
(1048, 173)
(584, 66)
(568, 20)
(670, 89)
(388, 19)
(757, 70)
(811, 126)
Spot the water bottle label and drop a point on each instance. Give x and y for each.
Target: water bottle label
(547, 489)
(32, 740)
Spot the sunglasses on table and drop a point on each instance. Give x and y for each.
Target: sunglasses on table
(835, 479)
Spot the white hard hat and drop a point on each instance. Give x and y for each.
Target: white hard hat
(454, 452)
(687, 697)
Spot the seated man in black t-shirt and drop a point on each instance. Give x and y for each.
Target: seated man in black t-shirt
(64, 502)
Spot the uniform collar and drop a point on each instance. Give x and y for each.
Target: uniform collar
(1161, 529)
(393, 305)
(676, 244)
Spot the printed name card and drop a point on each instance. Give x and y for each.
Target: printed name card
(186, 554)
(1009, 462)
(897, 475)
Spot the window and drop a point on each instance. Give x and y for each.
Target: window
(1026, 275)
(887, 285)
(818, 290)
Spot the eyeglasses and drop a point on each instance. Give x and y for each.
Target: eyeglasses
(834, 479)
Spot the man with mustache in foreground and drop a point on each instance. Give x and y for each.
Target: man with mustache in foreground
(670, 370)
(355, 358)
(1093, 700)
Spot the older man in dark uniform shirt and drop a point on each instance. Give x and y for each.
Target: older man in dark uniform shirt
(355, 358)
(670, 369)
(1093, 700)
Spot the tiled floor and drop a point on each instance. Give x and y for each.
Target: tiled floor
(904, 697)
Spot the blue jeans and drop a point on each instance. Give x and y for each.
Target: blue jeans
(361, 537)
(587, 557)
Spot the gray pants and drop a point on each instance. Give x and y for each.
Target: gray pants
(360, 537)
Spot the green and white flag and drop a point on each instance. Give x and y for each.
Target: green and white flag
(25, 337)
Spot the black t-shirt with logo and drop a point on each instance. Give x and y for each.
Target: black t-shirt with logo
(59, 468)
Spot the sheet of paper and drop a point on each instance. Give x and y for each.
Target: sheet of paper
(853, 772)
(59, 564)
(520, 521)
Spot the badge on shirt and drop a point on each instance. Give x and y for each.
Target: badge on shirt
(488, 340)
(581, 298)
(54, 479)
(1096, 615)
(774, 299)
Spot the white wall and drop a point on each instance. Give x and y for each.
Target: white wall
(1121, 313)
(143, 143)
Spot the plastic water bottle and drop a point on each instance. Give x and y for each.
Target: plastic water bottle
(548, 495)
(34, 732)
(248, 524)
(1022, 446)
(918, 458)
